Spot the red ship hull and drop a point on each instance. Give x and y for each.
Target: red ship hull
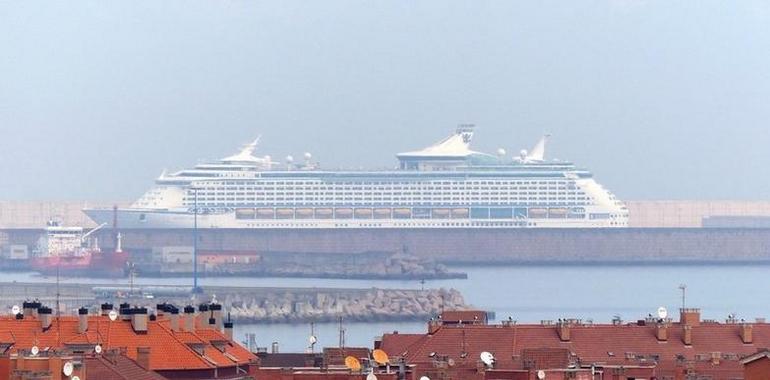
(96, 264)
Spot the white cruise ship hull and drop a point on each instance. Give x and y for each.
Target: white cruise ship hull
(151, 219)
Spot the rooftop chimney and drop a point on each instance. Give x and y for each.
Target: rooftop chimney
(433, 326)
(139, 319)
(564, 331)
(687, 335)
(689, 316)
(661, 332)
(203, 315)
(189, 318)
(30, 308)
(229, 330)
(125, 311)
(82, 320)
(747, 335)
(105, 309)
(173, 318)
(161, 309)
(44, 313)
(143, 357)
(217, 315)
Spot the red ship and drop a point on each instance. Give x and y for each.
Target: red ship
(68, 251)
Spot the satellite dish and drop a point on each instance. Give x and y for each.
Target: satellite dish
(487, 358)
(113, 315)
(15, 309)
(34, 350)
(450, 362)
(308, 156)
(352, 363)
(541, 374)
(380, 356)
(75, 377)
(98, 349)
(312, 339)
(371, 376)
(662, 312)
(68, 368)
(424, 378)
(289, 159)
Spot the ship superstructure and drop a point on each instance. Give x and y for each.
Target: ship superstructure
(446, 185)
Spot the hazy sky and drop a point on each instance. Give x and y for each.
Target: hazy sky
(661, 99)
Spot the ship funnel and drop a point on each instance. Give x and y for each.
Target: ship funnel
(538, 151)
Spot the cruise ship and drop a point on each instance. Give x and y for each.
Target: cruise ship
(446, 185)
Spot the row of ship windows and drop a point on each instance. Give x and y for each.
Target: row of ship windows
(380, 196)
(379, 192)
(383, 189)
(383, 200)
(417, 224)
(413, 187)
(365, 225)
(390, 204)
(383, 183)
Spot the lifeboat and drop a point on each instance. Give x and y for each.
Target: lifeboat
(265, 213)
(324, 213)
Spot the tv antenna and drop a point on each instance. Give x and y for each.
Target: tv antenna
(487, 358)
(683, 288)
(380, 357)
(312, 339)
(352, 363)
(342, 334)
(68, 368)
(58, 306)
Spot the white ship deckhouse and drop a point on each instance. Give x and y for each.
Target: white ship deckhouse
(446, 185)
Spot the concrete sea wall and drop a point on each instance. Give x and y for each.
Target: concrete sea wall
(492, 245)
(631, 245)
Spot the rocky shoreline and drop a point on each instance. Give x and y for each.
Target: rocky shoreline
(371, 306)
(364, 265)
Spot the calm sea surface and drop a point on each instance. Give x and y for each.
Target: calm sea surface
(528, 294)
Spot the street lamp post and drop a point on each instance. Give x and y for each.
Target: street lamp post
(195, 288)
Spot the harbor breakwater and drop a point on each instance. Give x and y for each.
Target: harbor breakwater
(250, 305)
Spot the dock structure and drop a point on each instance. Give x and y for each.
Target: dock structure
(630, 245)
(472, 246)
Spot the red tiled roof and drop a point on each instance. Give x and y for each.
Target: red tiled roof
(607, 344)
(465, 316)
(117, 367)
(168, 349)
